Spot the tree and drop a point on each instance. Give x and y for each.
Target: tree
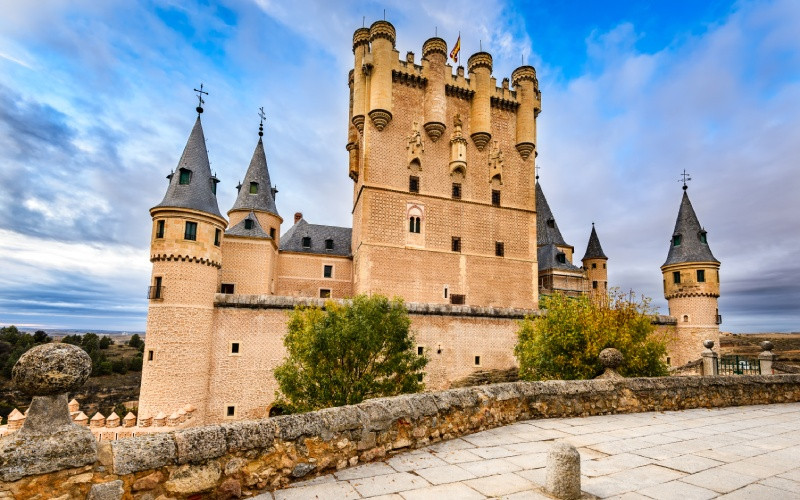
(344, 354)
(566, 342)
(41, 337)
(105, 342)
(136, 341)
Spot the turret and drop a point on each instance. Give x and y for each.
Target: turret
(530, 104)
(434, 56)
(594, 263)
(360, 72)
(479, 66)
(381, 37)
(691, 285)
(352, 132)
(186, 256)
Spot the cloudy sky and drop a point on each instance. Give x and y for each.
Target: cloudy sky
(96, 104)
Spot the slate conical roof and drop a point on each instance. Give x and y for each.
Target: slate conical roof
(264, 198)
(198, 194)
(593, 249)
(546, 228)
(691, 247)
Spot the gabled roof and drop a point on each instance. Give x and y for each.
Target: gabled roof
(545, 234)
(198, 194)
(254, 232)
(547, 259)
(593, 249)
(691, 247)
(292, 241)
(257, 172)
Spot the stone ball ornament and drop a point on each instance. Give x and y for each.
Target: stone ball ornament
(766, 345)
(611, 358)
(51, 369)
(708, 344)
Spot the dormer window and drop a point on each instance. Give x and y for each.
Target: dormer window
(253, 188)
(551, 223)
(329, 244)
(248, 223)
(702, 236)
(185, 176)
(306, 241)
(676, 240)
(561, 258)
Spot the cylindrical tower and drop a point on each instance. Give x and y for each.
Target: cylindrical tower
(382, 37)
(479, 66)
(527, 87)
(594, 265)
(352, 133)
(359, 88)
(434, 51)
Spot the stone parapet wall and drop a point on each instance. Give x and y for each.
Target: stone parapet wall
(242, 457)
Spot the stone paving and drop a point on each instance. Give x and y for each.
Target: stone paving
(747, 452)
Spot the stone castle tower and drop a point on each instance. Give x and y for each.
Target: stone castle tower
(691, 285)
(444, 204)
(594, 263)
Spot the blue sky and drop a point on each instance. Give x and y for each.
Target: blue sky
(96, 104)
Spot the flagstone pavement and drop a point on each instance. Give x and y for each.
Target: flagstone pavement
(745, 452)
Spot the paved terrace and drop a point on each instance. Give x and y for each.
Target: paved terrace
(742, 452)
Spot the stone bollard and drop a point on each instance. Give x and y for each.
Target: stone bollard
(766, 358)
(48, 440)
(611, 359)
(710, 359)
(563, 472)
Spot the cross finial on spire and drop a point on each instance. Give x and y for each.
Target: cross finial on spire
(686, 178)
(537, 172)
(261, 125)
(200, 100)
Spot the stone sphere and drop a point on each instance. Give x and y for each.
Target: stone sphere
(708, 344)
(610, 358)
(766, 345)
(51, 369)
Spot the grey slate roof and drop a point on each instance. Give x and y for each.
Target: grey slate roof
(691, 249)
(264, 200)
(544, 233)
(255, 232)
(593, 249)
(292, 241)
(198, 194)
(547, 259)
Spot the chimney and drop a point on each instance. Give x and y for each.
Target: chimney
(297, 217)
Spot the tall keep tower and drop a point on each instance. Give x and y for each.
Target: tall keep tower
(594, 262)
(438, 220)
(185, 252)
(691, 285)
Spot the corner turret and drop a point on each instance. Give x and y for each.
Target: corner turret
(381, 37)
(479, 66)
(594, 263)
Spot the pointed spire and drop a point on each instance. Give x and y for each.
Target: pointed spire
(546, 228)
(688, 243)
(593, 249)
(256, 192)
(192, 185)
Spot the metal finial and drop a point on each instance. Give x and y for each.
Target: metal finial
(435, 31)
(686, 178)
(384, 14)
(261, 125)
(537, 172)
(363, 21)
(200, 100)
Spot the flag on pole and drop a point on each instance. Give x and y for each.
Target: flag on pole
(456, 49)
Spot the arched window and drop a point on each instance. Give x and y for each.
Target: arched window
(414, 224)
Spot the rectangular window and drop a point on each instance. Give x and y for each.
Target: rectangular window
(676, 277)
(185, 177)
(594, 285)
(272, 233)
(458, 299)
(160, 229)
(253, 188)
(456, 244)
(327, 272)
(495, 197)
(217, 235)
(149, 355)
(226, 288)
(329, 244)
(190, 233)
(307, 242)
(420, 350)
(445, 292)
(701, 276)
(456, 191)
(324, 293)
(676, 240)
(499, 249)
(230, 411)
(413, 184)
(157, 288)
(477, 361)
(234, 348)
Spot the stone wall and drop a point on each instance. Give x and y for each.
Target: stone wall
(243, 457)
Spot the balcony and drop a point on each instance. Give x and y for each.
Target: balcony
(155, 292)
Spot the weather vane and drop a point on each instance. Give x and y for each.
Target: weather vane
(686, 177)
(261, 125)
(200, 100)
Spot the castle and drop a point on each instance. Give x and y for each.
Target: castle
(448, 214)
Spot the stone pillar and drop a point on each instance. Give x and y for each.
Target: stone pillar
(49, 440)
(766, 358)
(563, 472)
(710, 359)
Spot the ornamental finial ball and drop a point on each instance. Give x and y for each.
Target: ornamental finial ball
(708, 344)
(611, 358)
(51, 369)
(766, 345)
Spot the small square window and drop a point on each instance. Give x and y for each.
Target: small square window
(413, 184)
(676, 240)
(253, 188)
(495, 197)
(248, 223)
(226, 288)
(594, 265)
(230, 411)
(150, 355)
(701, 276)
(234, 348)
(420, 350)
(160, 229)
(456, 191)
(190, 233)
(594, 285)
(551, 223)
(499, 249)
(477, 361)
(561, 258)
(185, 176)
(457, 299)
(306, 241)
(324, 293)
(329, 244)
(456, 244)
(327, 272)
(217, 236)
(676, 277)
(703, 237)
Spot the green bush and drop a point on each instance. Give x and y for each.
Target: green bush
(105, 342)
(136, 341)
(119, 366)
(135, 363)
